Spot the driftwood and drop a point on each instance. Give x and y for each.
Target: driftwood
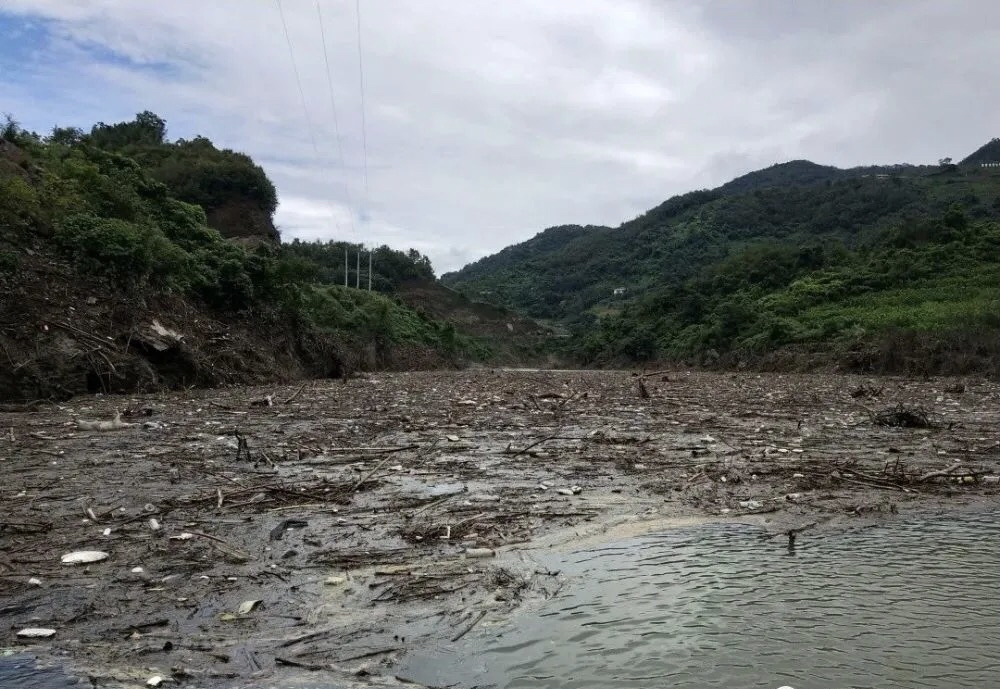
(942, 472)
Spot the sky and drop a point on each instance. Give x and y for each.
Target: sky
(485, 122)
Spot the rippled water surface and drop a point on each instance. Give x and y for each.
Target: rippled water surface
(908, 604)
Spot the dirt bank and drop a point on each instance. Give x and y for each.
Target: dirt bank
(262, 534)
(63, 334)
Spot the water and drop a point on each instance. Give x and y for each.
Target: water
(21, 671)
(909, 605)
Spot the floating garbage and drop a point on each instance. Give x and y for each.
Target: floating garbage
(34, 581)
(751, 504)
(185, 536)
(154, 681)
(84, 557)
(112, 425)
(452, 438)
(137, 570)
(479, 552)
(335, 581)
(247, 607)
(36, 633)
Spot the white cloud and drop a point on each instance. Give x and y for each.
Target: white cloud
(489, 121)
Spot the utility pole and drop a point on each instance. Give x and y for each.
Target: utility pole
(369, 270)
(345, 265)
(357, 272)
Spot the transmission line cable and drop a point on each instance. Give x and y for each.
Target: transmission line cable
(336, 122)
(298, 80)
(361, 80)
(305, 107)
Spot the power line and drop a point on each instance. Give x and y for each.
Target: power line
(336, 123)
(361, 79)
(305, 109)
(298, 80)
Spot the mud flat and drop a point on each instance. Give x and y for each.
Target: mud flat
(269, 536)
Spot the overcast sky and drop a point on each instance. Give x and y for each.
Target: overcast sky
(489, 121)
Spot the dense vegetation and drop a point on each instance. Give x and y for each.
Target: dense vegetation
(124, 204)
(794, 256)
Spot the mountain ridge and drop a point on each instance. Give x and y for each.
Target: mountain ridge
(804, 217)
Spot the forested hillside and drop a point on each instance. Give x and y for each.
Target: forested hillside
(835, 264)
(112, 238)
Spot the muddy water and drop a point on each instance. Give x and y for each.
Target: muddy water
(907, 604)
(23, 672)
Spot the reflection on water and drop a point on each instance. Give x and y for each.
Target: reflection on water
(909, 604)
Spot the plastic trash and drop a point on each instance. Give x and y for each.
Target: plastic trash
(84, 557)
(751, 504)
(36, 633)
(479, 552)
(247, 607)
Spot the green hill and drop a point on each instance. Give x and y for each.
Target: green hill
(987, 153)
(827, 263)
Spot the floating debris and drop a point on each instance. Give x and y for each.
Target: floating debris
(36, 633)
(84, 557)
(902, 416)
(247, 607)
(112, 425)
(480, 552)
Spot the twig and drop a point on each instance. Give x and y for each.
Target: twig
(433, 503)
(236, 552)
(369, 654)
(534, 444)
(468, 629)
(339, 450)
(296, 394)
(371, 473)
(295, 663)
(873, 484)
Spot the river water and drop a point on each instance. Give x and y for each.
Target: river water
(912, 603)
(906, 604)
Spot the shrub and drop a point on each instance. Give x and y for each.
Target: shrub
(129, 253)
